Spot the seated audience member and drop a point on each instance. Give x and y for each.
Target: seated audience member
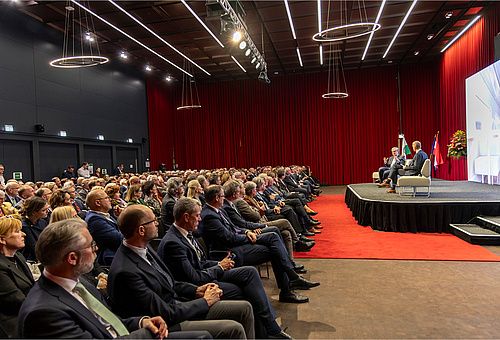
(117, 203)
(63, 213)
(396, 160)
(57, 181)
(214, 179)
(204, 184)
(12, 193)
(64, 305)
(412, 169)
(25, 192)
(175, 189)
(150, 191)
(187, 261)
(51, 186)
(69, 173)
(59, 198)
(118, 170)
(250, 249)
(15, 277)
(194, 190)
(140, 283)
(6, 209)
(34, 211)
(290, 239)
(75, 201)
(314, 189)
(38, 185)
(84, 171)
(2, 178)
(134, 195)
(102, 226)
(293, 185)
(98, 173)
(44, 193)
(132, 181)
(82, 188)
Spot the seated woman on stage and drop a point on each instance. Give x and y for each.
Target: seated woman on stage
(15, 277)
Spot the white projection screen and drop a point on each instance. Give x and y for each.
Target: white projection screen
(483, 125)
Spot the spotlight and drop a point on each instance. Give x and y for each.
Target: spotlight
(123, 55)
(148, 68)
(430, 36)
(168, 78)
(257, 65)
(89, 36)
(389, 61)
(247, 53)
(254, 59)
(263, 76)
(243, 44)
(236, 36)
(448, 15)
(416, 52)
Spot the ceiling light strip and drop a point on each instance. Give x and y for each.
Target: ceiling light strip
(300, 58)
(157, 36)
(462, 32)
(319, 16)
(132, 38)
(371, 34)
(202, 23)
(400, 27)
(290, 19)
(321, 54)
(236, 61)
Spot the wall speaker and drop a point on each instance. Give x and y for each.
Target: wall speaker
(39, 128)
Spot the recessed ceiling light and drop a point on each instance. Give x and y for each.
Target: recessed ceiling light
(448, 15)
(148, 68)
(430, 36)
(389, 61)
(236, 36)
(416, 52)
(243, 44)
(123, 55)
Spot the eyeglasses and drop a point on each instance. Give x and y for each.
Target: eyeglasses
(153, 221)
(92, 245)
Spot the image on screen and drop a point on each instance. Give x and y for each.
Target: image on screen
(483, 125)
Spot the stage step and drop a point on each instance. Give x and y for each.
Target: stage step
(475, 234)
(488, 222)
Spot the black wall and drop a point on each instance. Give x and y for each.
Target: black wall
(107, 100)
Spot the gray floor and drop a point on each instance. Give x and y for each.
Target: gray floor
(392, 299)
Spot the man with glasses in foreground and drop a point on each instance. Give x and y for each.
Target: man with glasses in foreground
(64, 305)
(102, 226)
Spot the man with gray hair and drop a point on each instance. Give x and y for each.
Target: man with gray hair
(395, 161)
(175, 189)
(12, 193)
(64, 305)
(2, 178)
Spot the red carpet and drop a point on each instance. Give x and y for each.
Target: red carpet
(343, 238)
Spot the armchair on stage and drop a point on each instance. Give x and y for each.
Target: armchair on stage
(422, 180)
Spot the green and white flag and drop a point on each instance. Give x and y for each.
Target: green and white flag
(405, 149)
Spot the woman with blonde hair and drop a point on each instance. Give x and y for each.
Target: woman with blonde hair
(194, 190)
(16, 279)
(63, 213)
(134, 195)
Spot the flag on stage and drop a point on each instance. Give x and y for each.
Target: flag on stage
(438, 159)
(405, 149)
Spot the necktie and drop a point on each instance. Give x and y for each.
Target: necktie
(97, 307)
(229, 223)
(263, 201)
(196, 246)
(235, 209)
(160, 270)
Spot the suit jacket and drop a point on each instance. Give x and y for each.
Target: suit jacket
(117, 171)
(416, 164)
(290, 183)
(182, 260)
(8, 200)
(106, 235)
(237, 218)
(32, 232)
(401, 161)
(136, 288)
(247, 211)
(167, 210)
(49, 311)
(221, 235)
(67, 174)
(15, 284)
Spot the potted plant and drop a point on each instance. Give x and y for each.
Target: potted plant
(458, 145)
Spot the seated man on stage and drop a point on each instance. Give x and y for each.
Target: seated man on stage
(412, 169)
(396, 160)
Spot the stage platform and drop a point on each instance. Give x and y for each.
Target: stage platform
(450, 202)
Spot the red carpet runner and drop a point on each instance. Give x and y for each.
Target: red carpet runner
(343, 238)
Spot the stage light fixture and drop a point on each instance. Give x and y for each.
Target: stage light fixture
(243, 44)
(247, 53)
(448, 15)
(168, 78)
(253, 60)
(148, 68)
(263, 76)
(236, 36)
(430, 36)
(416, 52)
(123, 55)
(257, 65)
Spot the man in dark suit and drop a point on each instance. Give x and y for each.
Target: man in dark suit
(69, 173)
(63, 305)
(185, 258)
(118, 170)
(175, 189)
(250, 249)
(140, 283)
(12, 193)
(395, 161)
(103, 226)
(412, 169)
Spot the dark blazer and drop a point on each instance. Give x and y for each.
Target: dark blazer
(290, 183)
(117, 171)
(15, 284)
(67, 174)
(106, 235)
(8, 200)
(49, 311)
(182, 260)
(32, 232)
(167, 210)
(401, 160)
(136, 288)
(238, 219)
(247, 211)
(416, 164)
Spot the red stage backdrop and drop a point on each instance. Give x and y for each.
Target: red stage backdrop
(247, 123)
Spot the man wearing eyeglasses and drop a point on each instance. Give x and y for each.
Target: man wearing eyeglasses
(102, 226)
(140, 283)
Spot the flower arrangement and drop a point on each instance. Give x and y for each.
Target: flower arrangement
(458, 145)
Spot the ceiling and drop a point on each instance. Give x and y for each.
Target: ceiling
(266, 21)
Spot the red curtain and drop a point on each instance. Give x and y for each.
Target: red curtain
(247, 123)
